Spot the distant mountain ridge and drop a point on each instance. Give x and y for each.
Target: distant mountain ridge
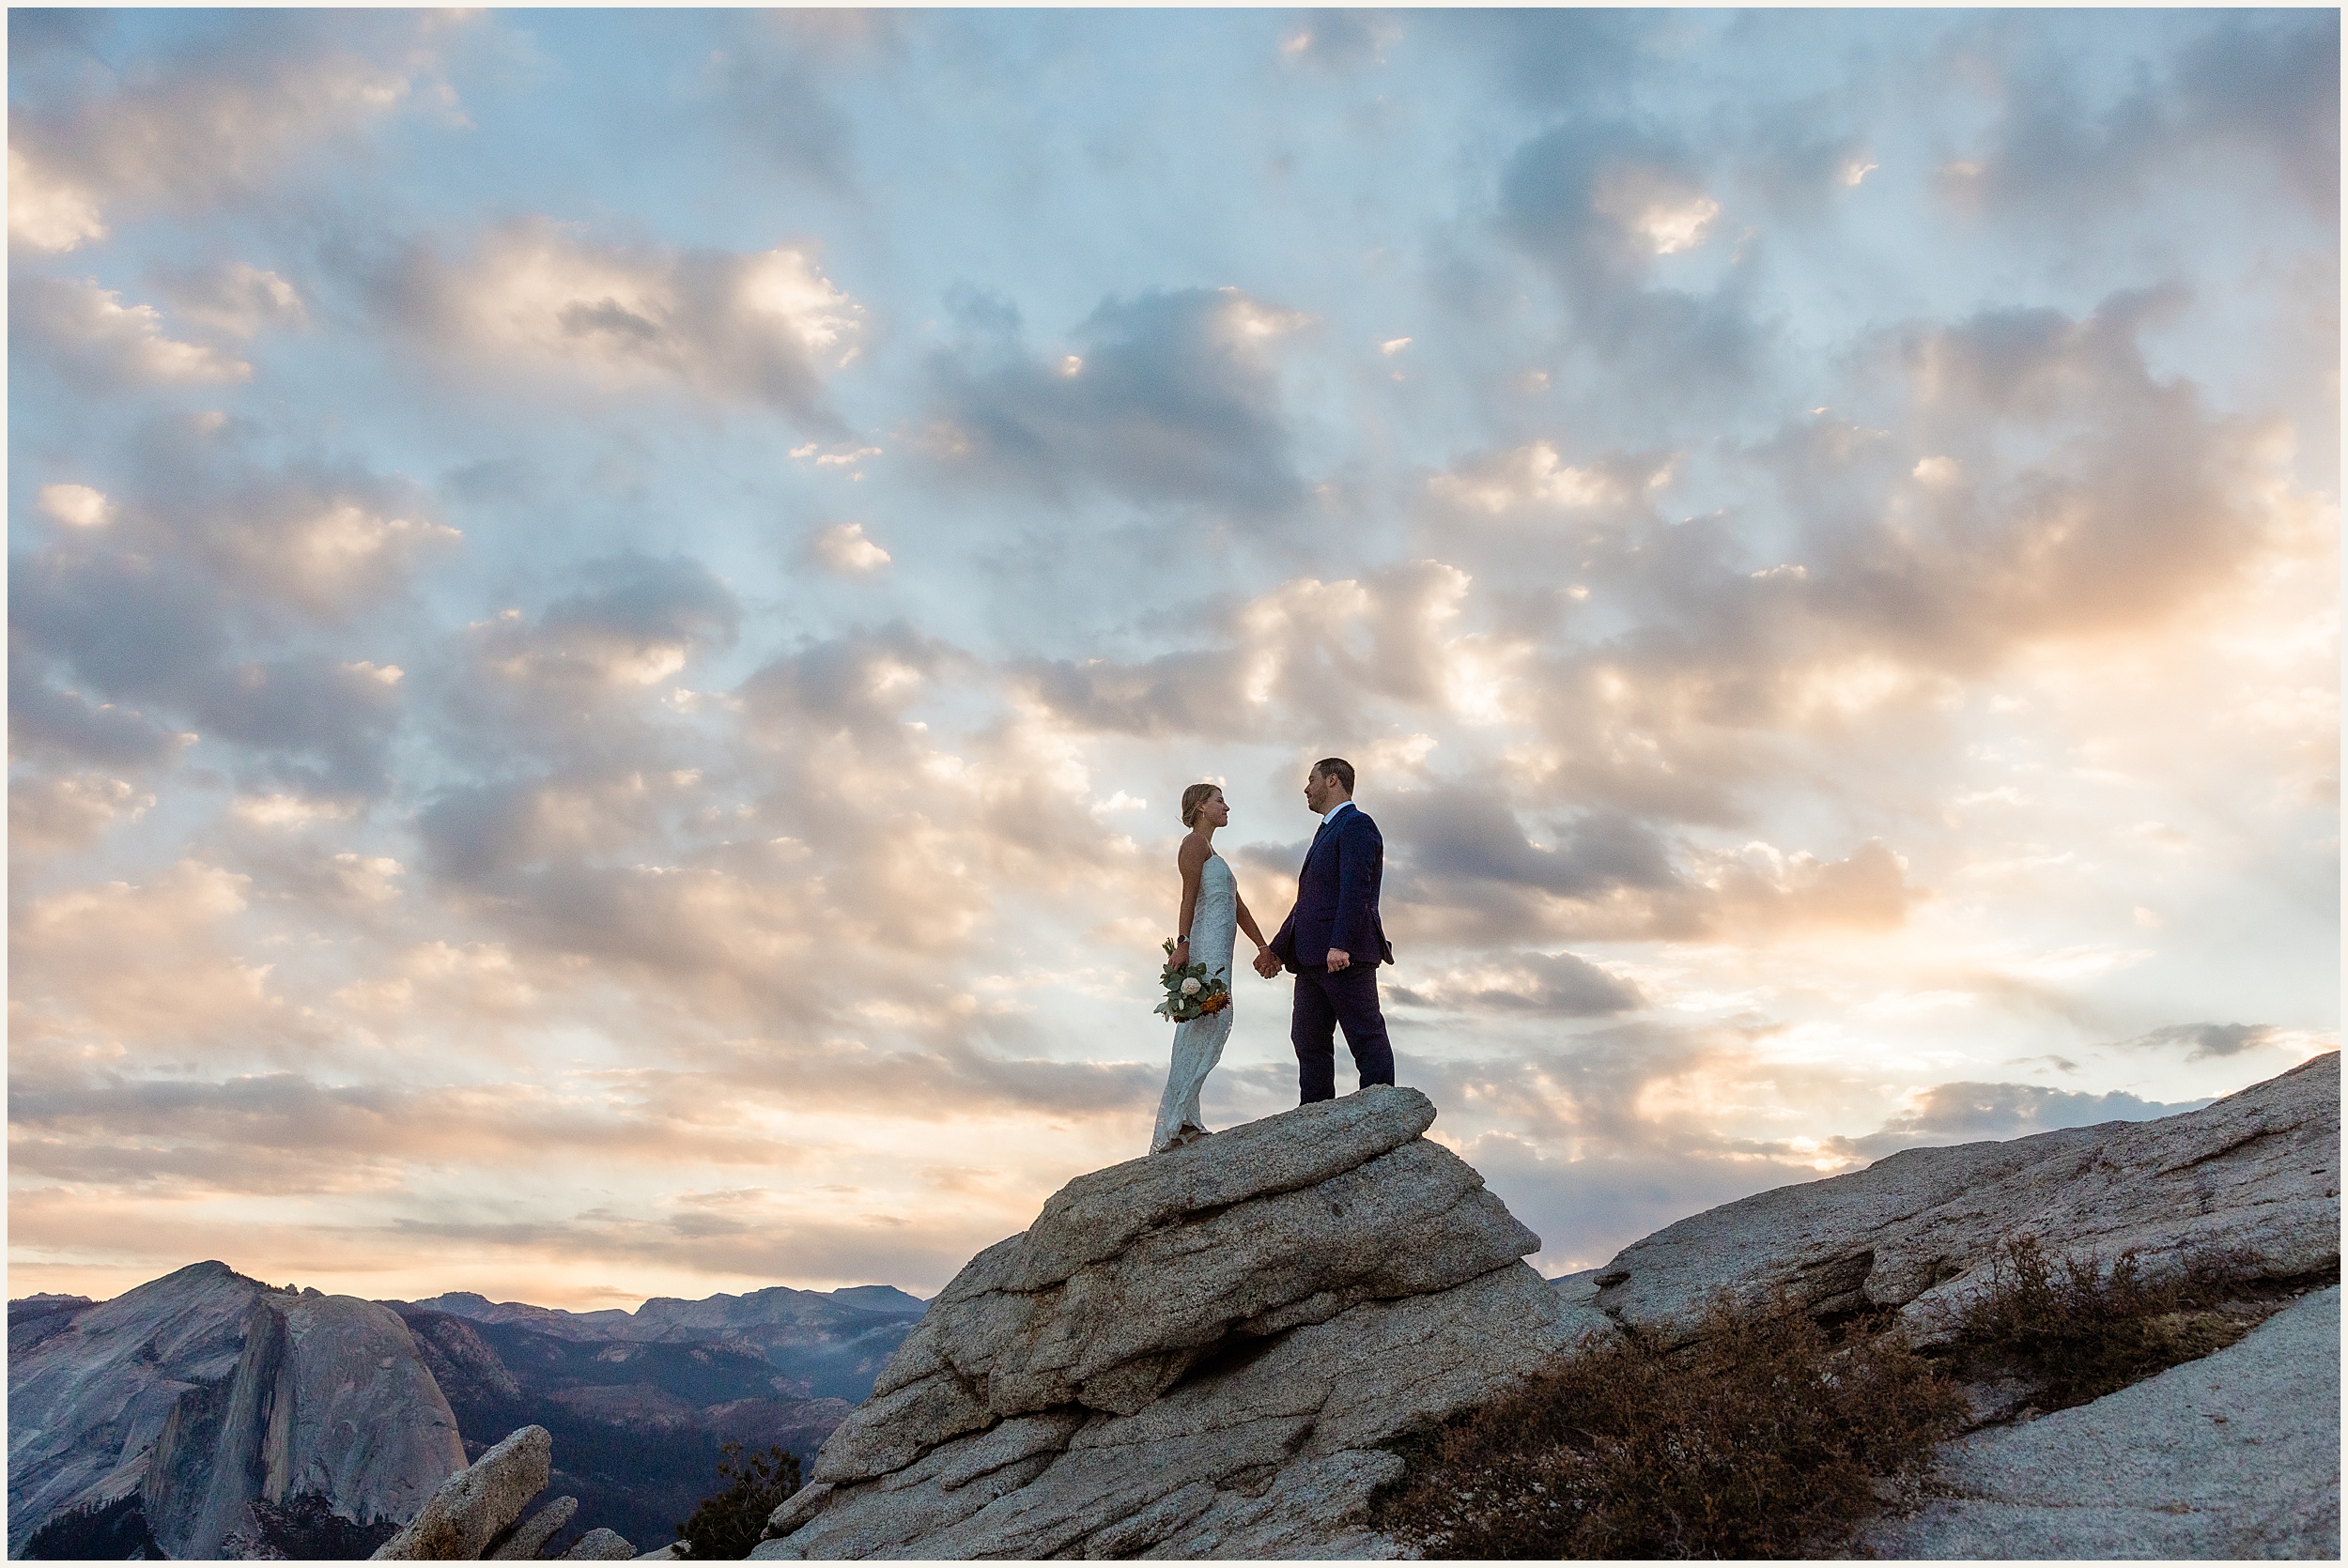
(827, 1344)
(671, 1319)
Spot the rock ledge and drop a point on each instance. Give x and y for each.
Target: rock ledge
(1196, 1354)
(2250, 1182)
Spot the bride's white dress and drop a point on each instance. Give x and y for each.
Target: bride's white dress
(1199, 1045)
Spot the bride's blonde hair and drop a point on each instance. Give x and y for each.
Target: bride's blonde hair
(1195, 797)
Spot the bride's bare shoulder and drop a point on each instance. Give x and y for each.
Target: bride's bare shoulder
(1193, 854)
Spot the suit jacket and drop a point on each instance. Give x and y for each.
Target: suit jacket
(1336, 897)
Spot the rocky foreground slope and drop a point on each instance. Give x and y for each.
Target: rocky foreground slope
(1198, 1354)
(2235, 1455)
(1212, 1353)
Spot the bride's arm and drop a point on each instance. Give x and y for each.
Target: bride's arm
(1192, 859)
(1247, 922)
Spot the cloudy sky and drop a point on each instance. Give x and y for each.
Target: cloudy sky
(608, 611)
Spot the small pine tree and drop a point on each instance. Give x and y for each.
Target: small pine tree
(729, 1522)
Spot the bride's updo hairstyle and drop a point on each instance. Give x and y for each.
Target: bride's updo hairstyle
(1195, 797)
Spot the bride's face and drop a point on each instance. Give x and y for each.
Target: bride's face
(1215, 811)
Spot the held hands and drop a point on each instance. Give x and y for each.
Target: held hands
(1266, 963)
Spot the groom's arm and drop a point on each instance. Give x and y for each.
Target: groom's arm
(1361, 855)
(1282, 945)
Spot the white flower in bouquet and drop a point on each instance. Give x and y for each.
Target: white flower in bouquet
(1190, 987)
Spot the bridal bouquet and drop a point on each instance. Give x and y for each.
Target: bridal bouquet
(1189, 992)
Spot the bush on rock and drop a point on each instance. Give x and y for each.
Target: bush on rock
(2074, 1329)
(1764, 1438)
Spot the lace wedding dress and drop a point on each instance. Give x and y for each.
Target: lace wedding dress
(1199, 1045)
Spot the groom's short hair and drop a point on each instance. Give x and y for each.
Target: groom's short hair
(1338, 769)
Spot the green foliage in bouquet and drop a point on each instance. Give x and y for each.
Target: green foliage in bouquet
(1190, 991)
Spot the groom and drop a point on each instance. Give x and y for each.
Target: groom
(1332, 942)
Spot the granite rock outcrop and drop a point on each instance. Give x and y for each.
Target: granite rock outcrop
(468, 1513)
(1202, 1353)
(476, 1515)
(523, 1542)
(2249, 1185)
(599, 1546)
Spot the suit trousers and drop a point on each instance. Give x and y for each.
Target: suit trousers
(1324, 1001)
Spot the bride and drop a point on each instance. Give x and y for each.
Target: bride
(1210, 907)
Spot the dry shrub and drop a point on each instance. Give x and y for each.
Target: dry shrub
(1761, 1439)
(2079, 1331)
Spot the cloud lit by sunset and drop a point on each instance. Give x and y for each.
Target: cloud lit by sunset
(609, 610)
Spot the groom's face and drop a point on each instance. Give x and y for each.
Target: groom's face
(1318, 792)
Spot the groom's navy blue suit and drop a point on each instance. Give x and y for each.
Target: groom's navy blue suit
(1336, 906)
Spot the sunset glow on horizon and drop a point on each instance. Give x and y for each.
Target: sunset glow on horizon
(609, 609)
